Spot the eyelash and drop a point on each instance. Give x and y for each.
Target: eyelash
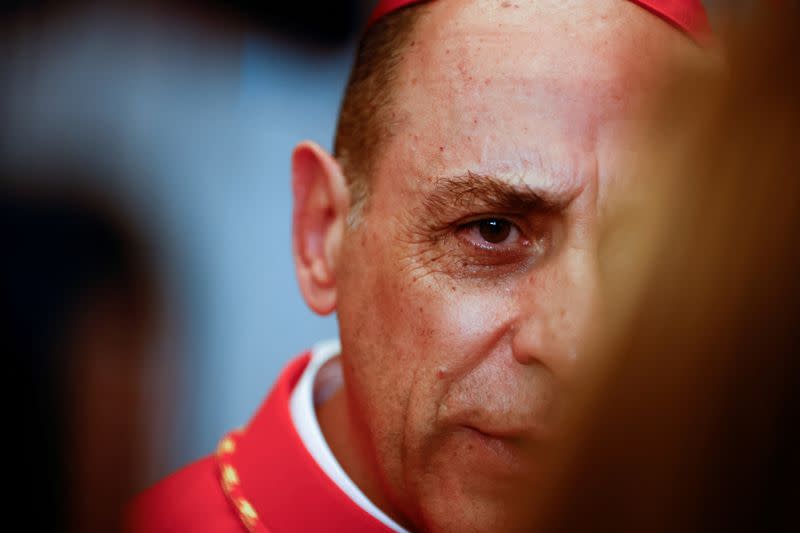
(474, 226)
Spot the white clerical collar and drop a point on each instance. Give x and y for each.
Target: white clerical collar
(313, 389)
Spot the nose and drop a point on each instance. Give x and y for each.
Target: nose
(556, 309)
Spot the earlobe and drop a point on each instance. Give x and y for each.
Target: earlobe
(320, 210)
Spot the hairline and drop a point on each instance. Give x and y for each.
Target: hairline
(370, 95)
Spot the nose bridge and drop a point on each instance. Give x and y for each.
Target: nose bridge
(556, 306)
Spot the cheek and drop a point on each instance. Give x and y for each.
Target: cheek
(406, 336)
(465, 323)
(441, 325)
(450, 331)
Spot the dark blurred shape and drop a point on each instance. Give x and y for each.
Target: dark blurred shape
(689, 419)
(79, 309)
(17, 7)
(319, 23)
(326, 23)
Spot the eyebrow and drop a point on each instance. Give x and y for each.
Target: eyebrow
(476, 190)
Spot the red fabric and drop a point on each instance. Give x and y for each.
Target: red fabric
(189, 500)
(278, 476)
(687, 15)
(385, 7)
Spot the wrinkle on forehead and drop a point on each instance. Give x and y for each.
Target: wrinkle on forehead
(559, 175)
(531, 91)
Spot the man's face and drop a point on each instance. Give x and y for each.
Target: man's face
(465, 290)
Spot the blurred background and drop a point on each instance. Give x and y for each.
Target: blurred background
(146, 144)
(182, 116)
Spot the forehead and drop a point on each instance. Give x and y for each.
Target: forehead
(503, 87)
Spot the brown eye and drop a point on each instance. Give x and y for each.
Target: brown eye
(494, 230)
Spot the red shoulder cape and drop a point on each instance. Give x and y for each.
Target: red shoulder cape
(263, 472)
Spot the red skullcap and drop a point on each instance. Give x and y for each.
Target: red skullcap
(687, 15)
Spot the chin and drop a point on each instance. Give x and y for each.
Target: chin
(464, 496)
(444, 511)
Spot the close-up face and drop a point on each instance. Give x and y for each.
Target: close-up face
(468, 284)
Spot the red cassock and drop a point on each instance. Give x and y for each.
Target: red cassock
(261, 479)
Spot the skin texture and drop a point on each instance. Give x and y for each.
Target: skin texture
(458, 352)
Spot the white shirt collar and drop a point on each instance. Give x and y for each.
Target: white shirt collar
(314, 388)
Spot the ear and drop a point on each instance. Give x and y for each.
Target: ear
(321, 202)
